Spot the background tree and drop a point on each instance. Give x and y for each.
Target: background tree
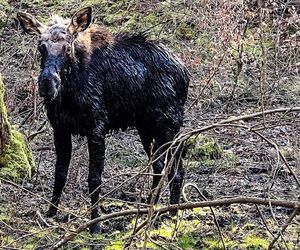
(16, 160)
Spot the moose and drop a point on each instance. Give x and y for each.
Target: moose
(94, 82)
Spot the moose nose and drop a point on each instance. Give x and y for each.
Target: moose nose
(48, 87)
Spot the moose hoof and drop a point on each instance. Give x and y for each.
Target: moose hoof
(95, 229)
(51, 212)
(173, 212)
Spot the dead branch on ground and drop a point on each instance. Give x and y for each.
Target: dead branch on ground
(190, 205)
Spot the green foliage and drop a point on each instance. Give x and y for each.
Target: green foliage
(252, 45)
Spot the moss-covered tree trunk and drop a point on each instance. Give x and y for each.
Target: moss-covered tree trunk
(16, 161)
(4, 128)
(4, 125)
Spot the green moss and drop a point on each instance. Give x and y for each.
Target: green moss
(7, 239)
(212, 243)
(201, 211)
(203, 149)
(4, 215)
(165, 231)
(16, 160)
(115, 246)
(292, 29)
(127, 161)
(3, 110)
(186, 241)
(255, 242)
(117, 18)
(252, 46)
(131, 23)
(42, 3)
(150, 19)
(4, 6)
(216, 244)
(186, 32)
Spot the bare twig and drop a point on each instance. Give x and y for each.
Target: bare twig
(185, 136)
(189, 205)
(295, 212)
(211, 209)
(264, 221)
(262, 77)
(238, 118)
(37, 195)
(281, 156)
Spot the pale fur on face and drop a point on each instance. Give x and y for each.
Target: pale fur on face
(57, 37)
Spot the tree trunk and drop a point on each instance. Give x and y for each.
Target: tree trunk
(4, 125)
(16, 162)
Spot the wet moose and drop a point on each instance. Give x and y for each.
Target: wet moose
(93, 82)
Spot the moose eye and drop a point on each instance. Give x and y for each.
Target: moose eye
(68, 50)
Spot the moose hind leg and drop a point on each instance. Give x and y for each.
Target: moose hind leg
(96, 154)
(175, 181)
(170, 156)
(147, 137)
(176, 176)
(158, 165)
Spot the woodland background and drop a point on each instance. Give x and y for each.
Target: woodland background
(243, 57)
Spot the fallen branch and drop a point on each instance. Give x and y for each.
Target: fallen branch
(190, 205)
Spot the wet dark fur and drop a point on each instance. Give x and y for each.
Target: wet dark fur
(130, 82)
(133, 81)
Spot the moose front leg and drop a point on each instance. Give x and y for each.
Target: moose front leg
(96, 144)
(63, 148)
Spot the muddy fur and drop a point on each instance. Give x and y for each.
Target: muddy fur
(107, 83)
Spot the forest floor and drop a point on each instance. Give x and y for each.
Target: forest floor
(239, 65)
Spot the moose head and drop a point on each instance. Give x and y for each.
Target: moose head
(55, 45)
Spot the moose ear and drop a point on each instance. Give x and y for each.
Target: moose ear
(30, 24)
(80, 20)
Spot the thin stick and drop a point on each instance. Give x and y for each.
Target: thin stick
(238, 118)
(211, 209)
(295, 212)
(189, 205)
(39, 196)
